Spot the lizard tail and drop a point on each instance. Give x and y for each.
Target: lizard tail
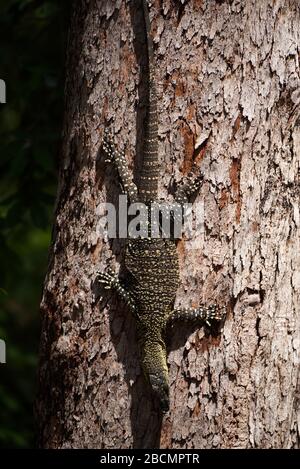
(150, 167)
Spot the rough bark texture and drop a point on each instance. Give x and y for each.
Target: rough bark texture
(229, 85)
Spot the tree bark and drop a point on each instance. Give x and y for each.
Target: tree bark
(229, 91)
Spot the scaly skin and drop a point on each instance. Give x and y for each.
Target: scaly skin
(154, 279)
(152, 263)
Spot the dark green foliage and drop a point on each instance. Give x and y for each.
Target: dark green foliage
(32, 51)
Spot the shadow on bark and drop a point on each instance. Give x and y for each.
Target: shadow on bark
(144, 413)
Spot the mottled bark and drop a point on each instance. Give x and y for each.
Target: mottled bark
(229, 91)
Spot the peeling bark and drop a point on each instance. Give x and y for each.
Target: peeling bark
(229, 92)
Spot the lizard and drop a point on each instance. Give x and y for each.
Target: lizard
(152, 262)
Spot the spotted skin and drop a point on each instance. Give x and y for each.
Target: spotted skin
(110, 281)
(201, 315)
(119, 160)
(152, 263)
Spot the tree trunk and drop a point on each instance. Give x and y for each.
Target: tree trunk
(229, 91)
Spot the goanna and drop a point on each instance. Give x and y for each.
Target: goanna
(151, 262)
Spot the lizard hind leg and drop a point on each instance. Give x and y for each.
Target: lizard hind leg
(113, 155)
(188, 186)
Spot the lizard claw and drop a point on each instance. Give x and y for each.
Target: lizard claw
(220, 313)
(108, 279)
(215, 314)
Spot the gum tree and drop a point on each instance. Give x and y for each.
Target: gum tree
(228, 76)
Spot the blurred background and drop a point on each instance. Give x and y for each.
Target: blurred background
(33, 36)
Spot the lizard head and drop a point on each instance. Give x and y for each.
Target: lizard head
(155, 368)
(160, 388)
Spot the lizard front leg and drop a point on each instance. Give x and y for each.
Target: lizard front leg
(199, 316)
(111, 281)
(118, 158)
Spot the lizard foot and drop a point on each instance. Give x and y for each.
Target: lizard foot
(202, 315)
(215, 313)
(108, 279)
